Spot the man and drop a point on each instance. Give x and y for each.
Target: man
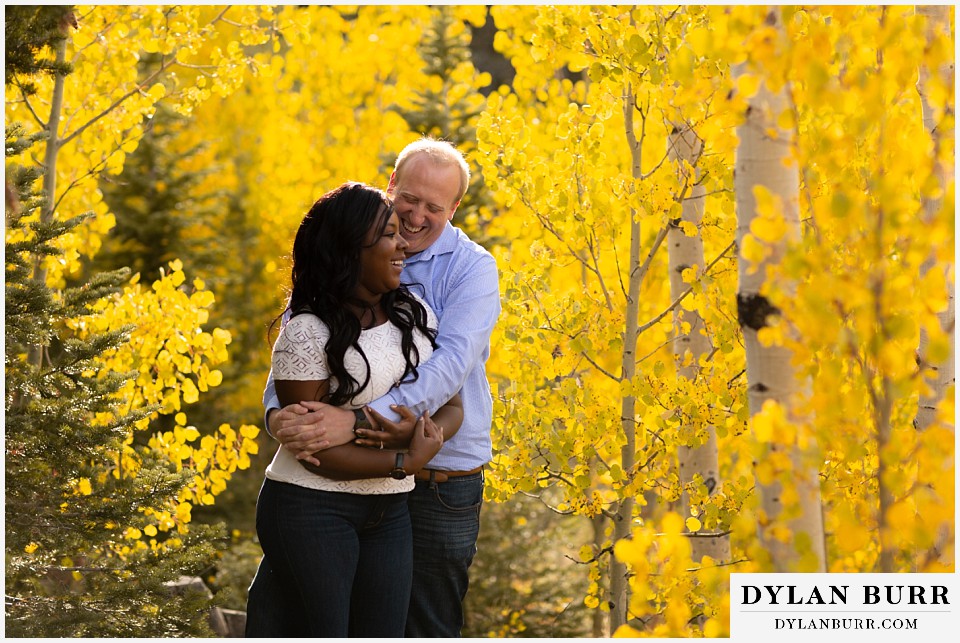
(459, 279)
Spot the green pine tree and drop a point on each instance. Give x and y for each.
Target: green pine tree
(70, 569)
(27, 31)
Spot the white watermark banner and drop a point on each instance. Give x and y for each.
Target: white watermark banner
(844, 607)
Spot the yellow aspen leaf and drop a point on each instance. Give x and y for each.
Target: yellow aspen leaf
(938, 349)
(83, 486)
(768, 228)
(747, 85)
(693, 524)
(249, 431)
(150, 530)
(714, 628)
(31, 547)
(770, 336)
(752, 250)
(699, 39)
(190, 392)
(901, 517)
(840, 205)
(673, 523)
(201, 298)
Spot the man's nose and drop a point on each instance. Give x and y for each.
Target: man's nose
(415, 216)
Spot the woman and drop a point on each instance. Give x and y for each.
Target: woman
(338, 552)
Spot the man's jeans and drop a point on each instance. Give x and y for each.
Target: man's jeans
(334, 564)
(446, 523)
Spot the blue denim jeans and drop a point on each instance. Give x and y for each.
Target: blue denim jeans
(446, 523)
(334, 564)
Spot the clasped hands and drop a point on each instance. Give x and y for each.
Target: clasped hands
(309, 427)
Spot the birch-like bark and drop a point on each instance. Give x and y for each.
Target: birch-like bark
(694, 342)
(53, 144)
(765, 158)
(623, 518)
(938, 18)
(942, 134)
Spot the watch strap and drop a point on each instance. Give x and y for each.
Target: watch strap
(398, 472)
(360, 421)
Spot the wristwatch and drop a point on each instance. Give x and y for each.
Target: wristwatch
(361, 421)
(398, 473)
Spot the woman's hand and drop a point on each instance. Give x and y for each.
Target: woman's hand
(426, 442)
(391, 435)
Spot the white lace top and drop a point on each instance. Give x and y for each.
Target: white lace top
(298, 354)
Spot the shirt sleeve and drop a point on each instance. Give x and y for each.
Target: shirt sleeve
(298, 354)
(270, 401)
(470, 312)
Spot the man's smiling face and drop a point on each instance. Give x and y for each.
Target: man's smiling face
(425, 198)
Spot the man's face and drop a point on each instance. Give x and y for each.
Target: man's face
(424, 199)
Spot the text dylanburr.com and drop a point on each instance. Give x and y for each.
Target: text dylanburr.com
(844, 607)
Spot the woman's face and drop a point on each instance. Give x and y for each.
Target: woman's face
(381, 260)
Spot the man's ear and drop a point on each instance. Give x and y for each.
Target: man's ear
(392, 183)
(453, 211)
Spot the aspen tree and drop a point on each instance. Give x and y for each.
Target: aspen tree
(939, 123)
(699, 465)
(623, 517)
(767, 191)
(581, 168)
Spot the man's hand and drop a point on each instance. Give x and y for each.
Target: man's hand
(308, 427)
(299, 428)
(392, 435)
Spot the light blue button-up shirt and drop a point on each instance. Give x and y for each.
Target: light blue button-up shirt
(459, 279)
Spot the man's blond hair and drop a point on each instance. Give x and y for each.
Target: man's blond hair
(440, 152)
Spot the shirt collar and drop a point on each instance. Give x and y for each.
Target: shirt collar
(445, 243)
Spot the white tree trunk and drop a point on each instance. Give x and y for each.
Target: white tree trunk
(765, 158)
(623, 518)
(691, 338)
(938, 17)
(52, 149)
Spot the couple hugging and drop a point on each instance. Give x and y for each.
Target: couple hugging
(370, 510)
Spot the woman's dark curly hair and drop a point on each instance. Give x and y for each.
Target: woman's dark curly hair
(326, 270)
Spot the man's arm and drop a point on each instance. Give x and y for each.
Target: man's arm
(396, 435)
(299, 427)
(470, 311)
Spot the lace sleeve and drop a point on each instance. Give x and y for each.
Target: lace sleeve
(298, 353)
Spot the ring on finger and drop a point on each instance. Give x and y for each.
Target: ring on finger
(381, 444)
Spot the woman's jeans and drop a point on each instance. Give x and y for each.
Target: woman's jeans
(334, 564)
(446, 523)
